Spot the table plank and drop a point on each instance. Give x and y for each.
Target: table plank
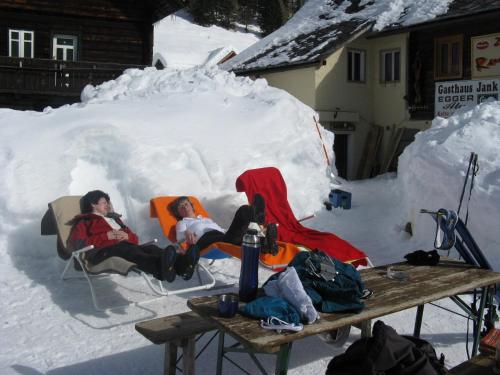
(425, 284)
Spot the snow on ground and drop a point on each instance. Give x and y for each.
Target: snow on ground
(194, 131)
(183, 44)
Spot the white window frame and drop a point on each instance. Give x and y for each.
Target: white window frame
(362, 66)
(392, 53)
(21, 42)
(65, 48)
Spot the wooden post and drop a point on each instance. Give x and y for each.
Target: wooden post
(169, 366)
(188, 352)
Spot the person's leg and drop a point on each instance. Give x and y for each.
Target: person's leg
(209, 238)
(239, 225)
(148, 259)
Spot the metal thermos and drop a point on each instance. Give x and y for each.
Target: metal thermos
(249, 276)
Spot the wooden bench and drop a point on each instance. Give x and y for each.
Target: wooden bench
(176, 331)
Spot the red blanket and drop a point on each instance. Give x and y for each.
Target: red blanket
(270, 184)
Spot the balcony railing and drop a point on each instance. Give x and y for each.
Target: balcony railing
(54, 77)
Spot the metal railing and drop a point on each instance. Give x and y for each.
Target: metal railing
(54, 77)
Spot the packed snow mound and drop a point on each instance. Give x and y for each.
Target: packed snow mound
(167, 132)
(431, 173)
(183, 44)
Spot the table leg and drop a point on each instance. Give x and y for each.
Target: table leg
(418, 321)
(283, 357)
(479, 323)
(188, 358)
(366, 329)
(220, 352)
(169, 366)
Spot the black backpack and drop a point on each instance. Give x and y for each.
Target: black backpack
(387, 353)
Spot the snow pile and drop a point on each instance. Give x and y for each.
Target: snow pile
(320, 15)
(164, 132)
(432, 170)
(181, 44)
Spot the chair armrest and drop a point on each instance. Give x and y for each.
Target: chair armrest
(306, 218)
(83, 249)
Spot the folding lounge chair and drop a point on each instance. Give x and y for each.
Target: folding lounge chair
(270, 184)
(56, 222)
(159, 208)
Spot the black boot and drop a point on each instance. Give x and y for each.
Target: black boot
(259, 209)
(168, 258)
(270, 245)
(186, 263)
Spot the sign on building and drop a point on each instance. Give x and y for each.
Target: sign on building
(453, 95)
(485, 56)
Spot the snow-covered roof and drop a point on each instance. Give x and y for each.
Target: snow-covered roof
(322, 26)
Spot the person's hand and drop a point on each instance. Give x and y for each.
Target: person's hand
(117, 235)
(121, 235)
(111, 235)
(190, 237)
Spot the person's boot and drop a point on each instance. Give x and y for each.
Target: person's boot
(270, 245)
(168, 258)
(186, 263)
(259, 209)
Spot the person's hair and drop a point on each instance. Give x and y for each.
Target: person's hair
(92, 197)
(174, 206)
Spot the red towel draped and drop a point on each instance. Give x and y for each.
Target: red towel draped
(270, 184)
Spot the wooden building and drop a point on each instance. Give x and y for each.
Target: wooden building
(51, 49)
(375, 89)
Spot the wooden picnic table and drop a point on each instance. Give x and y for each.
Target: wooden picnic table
(425, 284)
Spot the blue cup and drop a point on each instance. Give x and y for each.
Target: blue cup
(228, 305)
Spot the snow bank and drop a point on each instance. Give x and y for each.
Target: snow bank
(151, 133)
(432, 169)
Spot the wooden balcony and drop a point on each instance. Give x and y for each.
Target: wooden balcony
(21, 76)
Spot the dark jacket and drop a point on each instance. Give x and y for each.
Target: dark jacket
(92, 229)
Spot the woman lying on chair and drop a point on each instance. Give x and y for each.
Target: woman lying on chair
(202, 232)
(99, 226)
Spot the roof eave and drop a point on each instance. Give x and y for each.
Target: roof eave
(303, 64)
(429, 23)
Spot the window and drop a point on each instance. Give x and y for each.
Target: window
(448, 57)
(389, 66)
(356, 65)
(64, 47)
(21, 43)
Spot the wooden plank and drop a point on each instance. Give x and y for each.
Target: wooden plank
(168, 328)
(425, 284)
(369, 157)
(479, 365)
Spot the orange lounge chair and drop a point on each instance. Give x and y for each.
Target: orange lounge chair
(159, 208)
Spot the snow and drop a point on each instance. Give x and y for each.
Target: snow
(173, 33)
(193, 131)
(318, 15)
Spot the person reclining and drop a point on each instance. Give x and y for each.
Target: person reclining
(202, 231)
(97, 225)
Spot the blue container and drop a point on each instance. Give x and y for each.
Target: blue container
(340, 198)
(249, 275)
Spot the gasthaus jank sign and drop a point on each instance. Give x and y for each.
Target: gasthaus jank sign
(452, 95)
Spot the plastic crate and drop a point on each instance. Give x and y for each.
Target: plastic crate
(340, 198)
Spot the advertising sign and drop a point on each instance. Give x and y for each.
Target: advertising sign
(452, 95)
(485, 56)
